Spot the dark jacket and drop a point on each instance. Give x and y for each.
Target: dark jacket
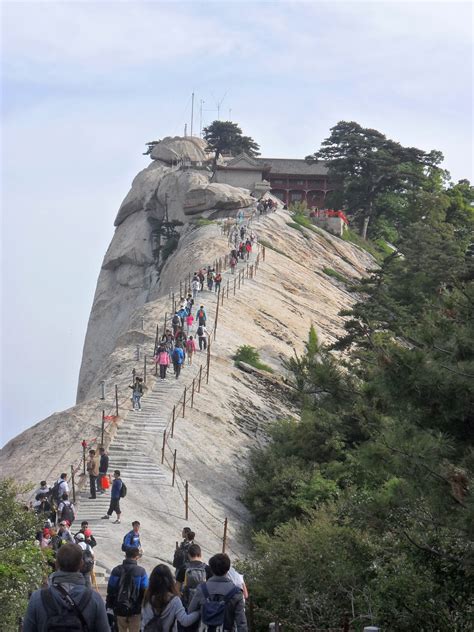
(235, 609)
(140, 579)
(116, 488)
(94, 613)
(131, 540)
(104, 464)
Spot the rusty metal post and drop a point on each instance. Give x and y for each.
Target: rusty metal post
(164, 322)
(200, 377)
(224, 539)
(102, 429)
(186, 501)
(192, 392)
(163, 447)
(248, 270)
(240, 272)
(156, 338)
(184, 402)
(217, 312)
(223, 292)
(174, 469)
(173, 309)
(116, 401)
(180, 290)
(144, 369)
(235, 284)
(208, 359)
(73, 482)
(227, 295)
(263, 253)
(173, 417)
(84, 445)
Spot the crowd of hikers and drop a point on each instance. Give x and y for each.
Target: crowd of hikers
(198, 596)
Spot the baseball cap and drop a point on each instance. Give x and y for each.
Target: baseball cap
(80, 537)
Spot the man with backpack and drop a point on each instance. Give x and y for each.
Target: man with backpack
(66, 510)
(221, 602)
(180, 556)
(178, 358)
(67, 604)
(202, 335)
(132, 539)
(119, 490)
(190, 576)
(137, 392)
(59, 488)
(175, 323)
(87, 558)
(201, 316)
(125, 591)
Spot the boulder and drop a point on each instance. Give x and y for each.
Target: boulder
(142, 194)
(131, 243)
(174, 149)
(218, 196)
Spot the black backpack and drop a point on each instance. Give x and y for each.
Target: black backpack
(176, 320)
(87, 561)
(123, 490)
(55, 492)
(200, 331)
(67, 512)
(127, 593)
(67, 618)
(181, 555)
(155, 624)
(213, 611)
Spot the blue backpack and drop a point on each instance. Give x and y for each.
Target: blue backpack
(214, 609)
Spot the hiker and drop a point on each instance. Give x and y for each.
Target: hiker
(195, 286)
(241, 250)
(125, 591)
(180, 556)
(202, 335)
(233, 263)
(137, 392)
(66, 510)
(118, 491)
(189, 322)
(210, 279)
(59, 488)
(103, 468)
(89, 538)
(178, 358)
(64, 534)
(93, 471)
(248, 248)
(201, 316)
(190, 576)
(181, 338)
(201, 279)
(44, 488)
(175, 323)
(217, 282)
(131, 540)
(42, 505)
(56, 607)
(242, 232)
(162, 605)
(87, 558)
(190, 349)
(232, 615)
(162, 358)
(190, 301)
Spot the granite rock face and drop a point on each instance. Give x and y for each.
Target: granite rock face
(175, 184)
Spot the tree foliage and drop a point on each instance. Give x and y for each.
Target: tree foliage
(378, 176)
(225, 136)
(23, 565)
(364, 504)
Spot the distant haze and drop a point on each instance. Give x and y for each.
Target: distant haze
(86, 84)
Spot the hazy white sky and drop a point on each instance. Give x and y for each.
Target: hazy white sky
(86, 84)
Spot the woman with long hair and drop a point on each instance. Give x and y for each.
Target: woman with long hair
(162, 603)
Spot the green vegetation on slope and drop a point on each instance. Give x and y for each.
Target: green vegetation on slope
(250, 355)
(364, 505)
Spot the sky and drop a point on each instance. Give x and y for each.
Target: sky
(86, 84)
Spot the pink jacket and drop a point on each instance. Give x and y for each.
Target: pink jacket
(191, 346)
(163, 358)
(189, 319)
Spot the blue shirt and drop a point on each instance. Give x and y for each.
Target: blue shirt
(132, 540)
(178, 355)
(116, 487)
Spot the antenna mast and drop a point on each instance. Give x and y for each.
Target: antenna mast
(192, 112)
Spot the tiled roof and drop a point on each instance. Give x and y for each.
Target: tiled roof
(294, 166)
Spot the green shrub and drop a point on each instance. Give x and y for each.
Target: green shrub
(169, 248)
(336, 275)
(250, 355)
(203, 221)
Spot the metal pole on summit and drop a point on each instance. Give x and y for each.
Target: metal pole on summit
(156, 338)
(173, 420)
(84, 445)
(192, 392)
(164, 322)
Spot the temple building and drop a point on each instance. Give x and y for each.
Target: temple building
(289, 179)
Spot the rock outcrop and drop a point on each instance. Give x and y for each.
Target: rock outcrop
(175, 188)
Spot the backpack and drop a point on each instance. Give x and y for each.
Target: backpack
(176, 320)
(156, 623)
(176, 354)
(194, 576)
(67, 512)
(68, 618)
(87, 560)
(181, 555)
(123, 490)
(55, 492)
(127, 593)
(213, 610)
(200, 331)
(201, 314)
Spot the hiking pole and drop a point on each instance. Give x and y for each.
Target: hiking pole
(224, 539)
(102, 429)
(186, 501)
(116, 401)
(163, 448)
(174, 469)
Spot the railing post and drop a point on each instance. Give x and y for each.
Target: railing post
(164, 323)
(235, 285)
(144, 369)
(174, 469)
(102, 389)
(73, 482)
(224, 539)
(223, 292)
(192, 392)
(116, 401)
(173, 309)
(200, 377)
(173, 420)
(263, 253)
(217, 313)
(208, 360)
(227, 289)
(84, 446)
(156, 338)
(102, 430)
(163, 447)
(180, 289)
(186, 501)
(184, 402)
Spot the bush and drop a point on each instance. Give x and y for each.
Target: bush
(250, 355)
(336, 275)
